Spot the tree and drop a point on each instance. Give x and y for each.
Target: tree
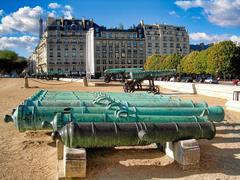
(7, 59)
(10, 61)
(221, 58)
(188, 64)
(154, 62)
(121, 26)
(200, 63)
(171, 61)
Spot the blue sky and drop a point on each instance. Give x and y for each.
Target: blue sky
(206, 20)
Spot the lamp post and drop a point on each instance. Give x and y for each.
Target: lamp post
(179, 66)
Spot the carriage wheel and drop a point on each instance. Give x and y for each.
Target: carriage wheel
(126, 88)
(156, 90)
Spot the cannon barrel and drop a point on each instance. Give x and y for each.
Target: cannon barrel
(32, 117)
(117, 103)
(88, 135)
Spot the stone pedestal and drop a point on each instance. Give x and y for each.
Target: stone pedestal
(185, 152)
(85, 82)
(74, 162)
(26, 82)
(59, 146)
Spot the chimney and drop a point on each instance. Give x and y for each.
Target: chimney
(142, 22)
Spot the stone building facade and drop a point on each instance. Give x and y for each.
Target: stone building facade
(165, 39)
(80, 46)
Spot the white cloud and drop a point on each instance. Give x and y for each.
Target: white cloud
(220, 12)
(1, 12)
(189, 4)
(52, 14)
(24, 20)
(54, 5)
(68, 12)
(209, 38)
(173, 13)
(25, 42)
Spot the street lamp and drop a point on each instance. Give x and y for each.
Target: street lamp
(179, 66)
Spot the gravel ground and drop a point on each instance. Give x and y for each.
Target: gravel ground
(32, 155)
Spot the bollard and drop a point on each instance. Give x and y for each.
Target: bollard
(26, 82)
(85, 82)
(236, 95)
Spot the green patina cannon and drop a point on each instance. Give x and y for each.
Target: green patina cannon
(76, 99)
(136, 79)
(37, 117)
(53, 110)
(110, 74)
(42, 110)
(88, 135)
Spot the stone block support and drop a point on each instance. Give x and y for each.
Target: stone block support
(185, 152)
(74, 162)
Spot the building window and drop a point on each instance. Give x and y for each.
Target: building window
(134, 53)
(58, 54)
(134, 44)
(110, 35)
(134, 35)
(97, 48)
(66, 54)
(156, 44)
(81, 47)
(129, 61)
(104, 48)
(149, 44)
(104, 54)
(98, 55)
(110, 55)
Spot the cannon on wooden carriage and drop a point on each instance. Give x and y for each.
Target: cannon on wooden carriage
(50, 75)
(138, 77)
(123, 73)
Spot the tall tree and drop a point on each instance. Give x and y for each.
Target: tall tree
(221, 58)
(188, 64)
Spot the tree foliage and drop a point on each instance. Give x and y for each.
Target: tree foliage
(158, 62)
(221, 59)
(188, 63)
(10, 61)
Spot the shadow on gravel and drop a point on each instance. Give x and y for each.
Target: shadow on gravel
(152, 163)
